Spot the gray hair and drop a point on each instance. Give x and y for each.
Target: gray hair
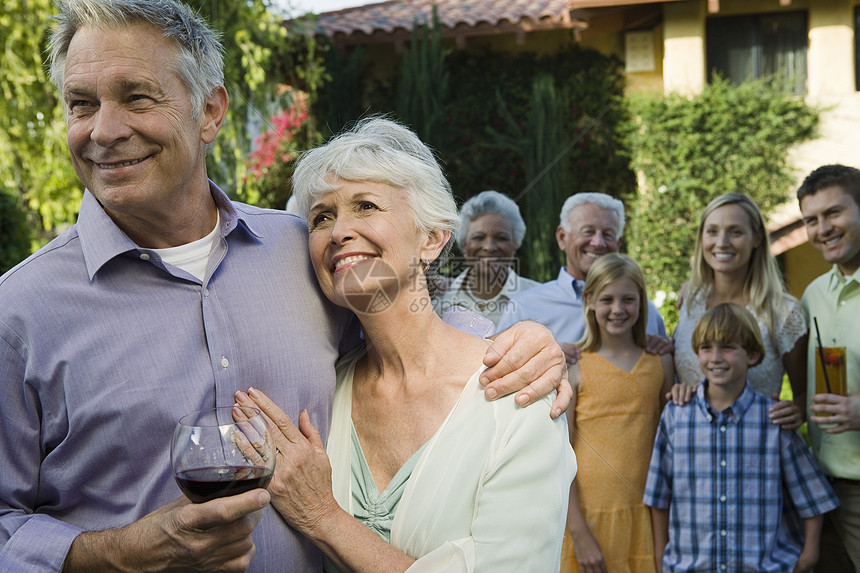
(487, 202)
(381, 150)
(199, 60)
(601, 200)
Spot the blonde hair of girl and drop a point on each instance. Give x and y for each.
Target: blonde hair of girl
(764, 287)
(605, 270)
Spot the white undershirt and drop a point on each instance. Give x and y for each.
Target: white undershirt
(192, 257)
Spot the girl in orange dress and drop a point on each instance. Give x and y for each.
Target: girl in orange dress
(618, 394)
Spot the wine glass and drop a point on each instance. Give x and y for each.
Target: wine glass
(222, 451)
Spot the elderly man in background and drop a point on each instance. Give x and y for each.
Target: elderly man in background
(164, 298)
(590, 225)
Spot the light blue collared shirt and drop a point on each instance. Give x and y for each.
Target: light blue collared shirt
(103, 347)
(557, 306)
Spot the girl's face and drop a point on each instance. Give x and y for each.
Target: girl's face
(616, 307)
(728, 239)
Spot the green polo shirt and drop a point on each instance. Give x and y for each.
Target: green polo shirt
(834, 300)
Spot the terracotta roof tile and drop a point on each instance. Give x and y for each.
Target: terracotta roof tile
(388, 17)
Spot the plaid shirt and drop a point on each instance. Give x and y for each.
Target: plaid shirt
(734, 484)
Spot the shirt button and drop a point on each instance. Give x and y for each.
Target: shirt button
(723, 498)
(723, 532)
(722, 428)
(224, 362)
(842, 303)
(206, 292)
(723, 567)
(144, 256)
(722, 462)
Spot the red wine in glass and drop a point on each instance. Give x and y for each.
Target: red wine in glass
(204, 484)
(222, 451)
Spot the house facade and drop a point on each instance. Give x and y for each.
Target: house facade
(667, 46)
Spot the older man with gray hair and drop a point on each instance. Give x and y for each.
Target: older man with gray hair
(590, 226)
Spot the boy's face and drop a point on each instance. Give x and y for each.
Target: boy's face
(725, 364)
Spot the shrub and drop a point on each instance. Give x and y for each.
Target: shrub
(493, 94)
(270, 165)
(489, 97)
(689, 150)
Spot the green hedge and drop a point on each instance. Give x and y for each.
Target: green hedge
(688, 151)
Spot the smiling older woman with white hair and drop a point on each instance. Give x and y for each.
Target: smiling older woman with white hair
(421, 471)
(491, 230)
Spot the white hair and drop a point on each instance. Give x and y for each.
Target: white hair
(491, 202)
(199, 60)
(601, 200)
(381, 150)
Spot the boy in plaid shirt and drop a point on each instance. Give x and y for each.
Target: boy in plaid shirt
(725, 485)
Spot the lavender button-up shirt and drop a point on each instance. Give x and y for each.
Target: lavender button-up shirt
(103, 348)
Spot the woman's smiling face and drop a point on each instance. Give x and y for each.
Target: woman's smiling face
(489, 247)
(364, 243)
(728, 239)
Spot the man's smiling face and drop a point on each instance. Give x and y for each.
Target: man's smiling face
(832, 219)
(133, 139)
(593, 232)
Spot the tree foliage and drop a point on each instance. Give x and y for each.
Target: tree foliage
(422, 89)
(339, 100)
(543, 144)
(689, 150)
(260, 56)
(34, 164)
(270, 166)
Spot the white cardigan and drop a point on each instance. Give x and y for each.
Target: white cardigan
(489, 492)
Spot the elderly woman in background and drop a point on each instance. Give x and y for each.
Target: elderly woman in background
(420, 471)
(491, 230)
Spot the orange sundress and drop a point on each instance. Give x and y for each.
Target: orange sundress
(617, 413)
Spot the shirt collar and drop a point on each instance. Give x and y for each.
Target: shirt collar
(565, 281)
(837, 280)
(102, 240)
(736, 411)
(460, 284)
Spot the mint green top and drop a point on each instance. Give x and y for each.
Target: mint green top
(834, 301)
(372, 508)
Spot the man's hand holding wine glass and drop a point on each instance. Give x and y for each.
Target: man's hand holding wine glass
(182, 536)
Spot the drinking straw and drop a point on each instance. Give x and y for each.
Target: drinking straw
(821, 355)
